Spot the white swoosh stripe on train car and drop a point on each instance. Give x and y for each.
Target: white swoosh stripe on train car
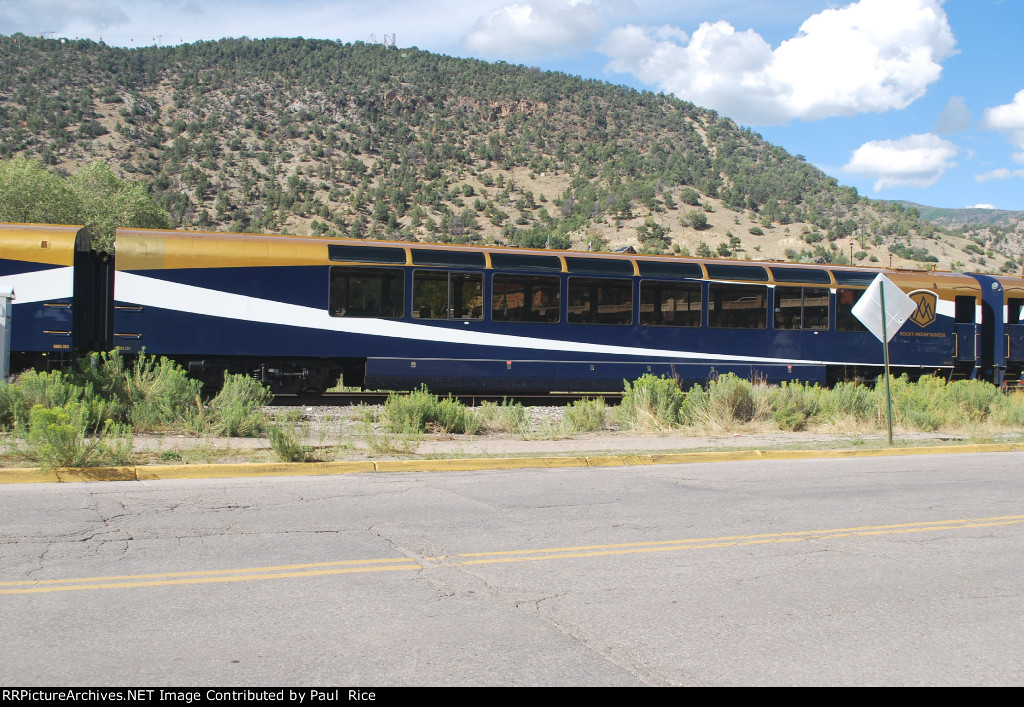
(151, 292)
(41, 285)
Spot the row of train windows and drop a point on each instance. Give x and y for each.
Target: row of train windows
(438, 294)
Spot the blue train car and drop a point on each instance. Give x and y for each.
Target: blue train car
(1000, 338)
(62, 293)
(298, 312)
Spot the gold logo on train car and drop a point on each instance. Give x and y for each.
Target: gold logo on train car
(926, 305)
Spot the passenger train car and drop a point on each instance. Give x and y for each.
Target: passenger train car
(298, 312)
(62, 293)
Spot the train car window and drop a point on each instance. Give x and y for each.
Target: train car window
(366, 254)
(736, 272)
(737, 306)
(599, 266)
(1013, 310)
(809, 275)
(845, 299)
(670, 304)
(526, 298)
(599, 301)
(853, 279)
(467, 295)
(656, 268)
(438, 294)
(966, 309)
(448, 258)
(517, 261)
(801, 308)
(367, 292)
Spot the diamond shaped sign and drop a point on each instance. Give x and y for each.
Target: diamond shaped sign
(898, 308)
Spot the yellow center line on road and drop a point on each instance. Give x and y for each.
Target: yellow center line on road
(166, 575)
(319, 569)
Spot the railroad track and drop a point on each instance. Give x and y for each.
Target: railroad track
(377, 398)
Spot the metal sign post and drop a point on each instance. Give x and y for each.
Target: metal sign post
(885, 357)
(884, 321)
(6, 296)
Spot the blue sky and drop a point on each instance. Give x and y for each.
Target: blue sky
(903, 99)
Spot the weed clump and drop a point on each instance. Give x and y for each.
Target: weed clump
(585, 415)
(413, 412)
(237, 410)
(651, 403)
(59, 437)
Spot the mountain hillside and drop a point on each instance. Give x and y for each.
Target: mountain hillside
(318, 137)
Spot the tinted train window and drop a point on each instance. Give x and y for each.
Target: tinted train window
(737, 306)
(1014, 305)
(366, 254)
(438, 294)
(818, 277)
(845, 321)
(658, 268)
(801, 308)
(449, 258)
(517, 261)
(966, 307)
(599, 301)
(599, 266)
(525, 298)
(367, 292)
(736, 272)
(670, 304)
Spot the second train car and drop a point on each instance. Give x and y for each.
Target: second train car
(298, 312)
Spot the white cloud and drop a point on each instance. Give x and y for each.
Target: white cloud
(532, 29)
(914, 161)
(1001, 173)
(1007, 119)
(869, 56)
(58, 15)
(954, 118)
(981, 206)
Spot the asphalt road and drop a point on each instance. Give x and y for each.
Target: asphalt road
(881, 571)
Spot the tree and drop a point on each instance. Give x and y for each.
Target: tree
(689, 196)
(94, 197)
(653, 235)
(31, 194)
(698, 219)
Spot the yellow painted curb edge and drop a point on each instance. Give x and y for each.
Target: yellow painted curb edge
(219, 471)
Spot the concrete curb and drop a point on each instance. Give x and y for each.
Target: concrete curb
(223, 471)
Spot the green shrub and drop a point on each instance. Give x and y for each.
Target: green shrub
(972, 400)
(56, 389)
(413, 412)
(159, 393)
(733, 398)
(49, 389)
(404, 413)
(929, 403)
(585, 416)
(10, 404)
(795, 404)
(286, 444)
(150, 394)
(390, 443)
(58, 438)
(651, 403)
(237, 410)
(454, 417)
(507, 417)
(1009, 410)
(854, 401)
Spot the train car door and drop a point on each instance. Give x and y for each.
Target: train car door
(992, 334)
